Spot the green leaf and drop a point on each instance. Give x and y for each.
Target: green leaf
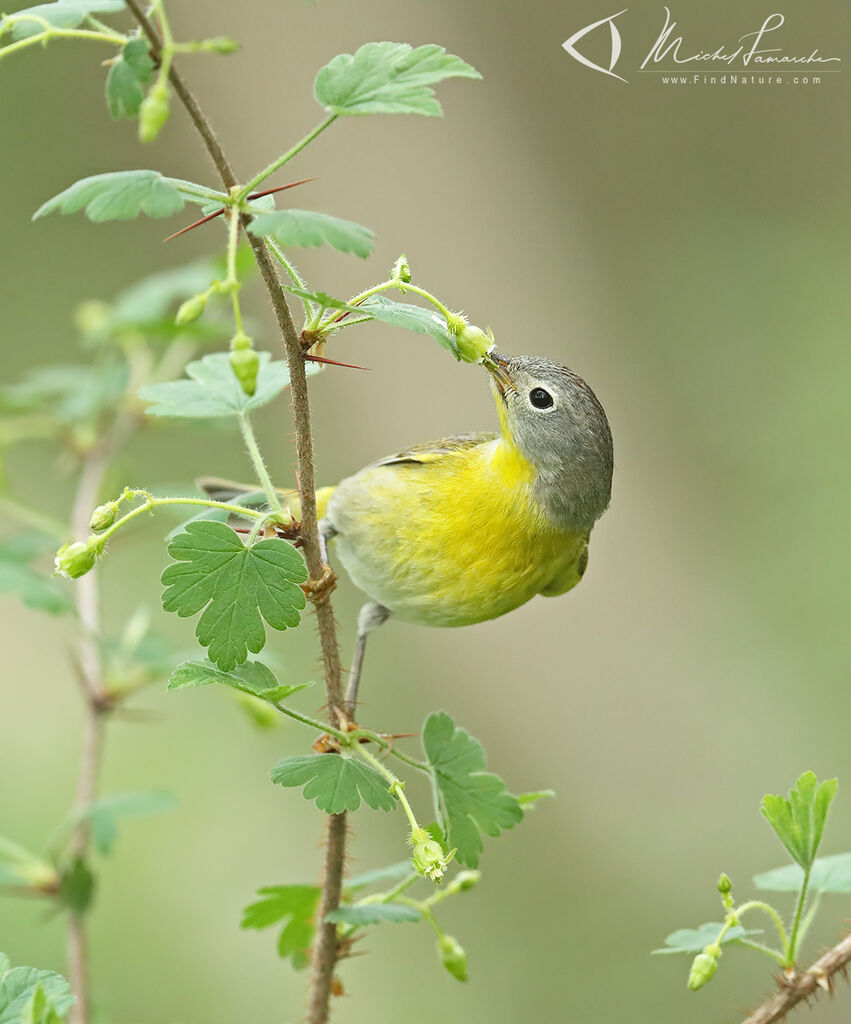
(692, 940)
(253, 678)
(37, 591)
(218, 515)
(388, 78)
(18, 986)
(213, 390)
(474, 800)
(103, 813)
(235, 585)
(799, 820)
(4, 965)
(69, 393)
(77, 886)
(296, 906)
(412, 318)
(128, 78)
(62, 14)
(374, 913)
(307, 228)
(337, 782)
(392, 873)
(120, 195)
(827, 874)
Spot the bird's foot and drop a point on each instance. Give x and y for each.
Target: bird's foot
(319, 591)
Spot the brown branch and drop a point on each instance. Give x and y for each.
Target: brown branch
(325, 949)
(804, 986)
(91, 681)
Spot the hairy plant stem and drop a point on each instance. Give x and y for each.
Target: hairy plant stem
(86, 598)
(804, 987)
(326, 946)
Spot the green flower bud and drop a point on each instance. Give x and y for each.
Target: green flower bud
(473, 343)
(428, 857)
(103, 516)
(77, 558)
(154, 112)
(703, 966)
(191, 309)
(91, 317)
(221, 44)
(244, 362)
(259, 711)
(724, 883)
(452, 956)
(464, 881)
(402, 270)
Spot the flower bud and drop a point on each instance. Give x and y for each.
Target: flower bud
(220, 44)
(76, 558)
(402, 270)
(464, 881)
(724, 884)
(452, 956)
(91, 317)
(103, 516)
(153, 112)
(428, 857)
(473, 343)
(191, 309)
(244, 362)
(703, 966)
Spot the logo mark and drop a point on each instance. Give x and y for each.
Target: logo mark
(616, 45)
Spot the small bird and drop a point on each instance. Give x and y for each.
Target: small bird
(467, 528)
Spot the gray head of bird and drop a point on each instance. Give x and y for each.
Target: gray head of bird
(557, 423)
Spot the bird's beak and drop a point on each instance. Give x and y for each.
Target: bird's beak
(497, 366)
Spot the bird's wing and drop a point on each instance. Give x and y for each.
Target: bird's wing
(431, 451)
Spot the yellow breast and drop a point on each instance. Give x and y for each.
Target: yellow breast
(454, 538)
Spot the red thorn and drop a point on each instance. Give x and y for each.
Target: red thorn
(334, 362)
(195, 224)
(218, 213)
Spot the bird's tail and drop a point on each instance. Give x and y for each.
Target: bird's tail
(229, 490)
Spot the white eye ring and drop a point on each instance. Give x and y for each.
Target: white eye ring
(540, 399)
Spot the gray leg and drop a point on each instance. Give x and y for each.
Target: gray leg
(371, 617)
(326, 533)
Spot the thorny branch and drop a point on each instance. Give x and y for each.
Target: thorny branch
(325, 951)
(806, 986)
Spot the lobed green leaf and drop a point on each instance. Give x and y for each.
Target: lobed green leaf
(128, 79)
(213, 390)
(253, 677)
(103, 814)
(295, 905)
(62, 14)
(412, 318)
(119, 195)
(336, 782)
(236, 586)
(42, 593)
(693, 940)
(388, 78)
(474, 800)
(18, 986)
(799, 819)
(827, 874)
(374, 913)
(307, 229)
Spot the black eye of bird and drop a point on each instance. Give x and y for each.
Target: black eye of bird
(540, 399)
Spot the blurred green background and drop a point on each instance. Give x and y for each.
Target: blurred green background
(685, 249)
